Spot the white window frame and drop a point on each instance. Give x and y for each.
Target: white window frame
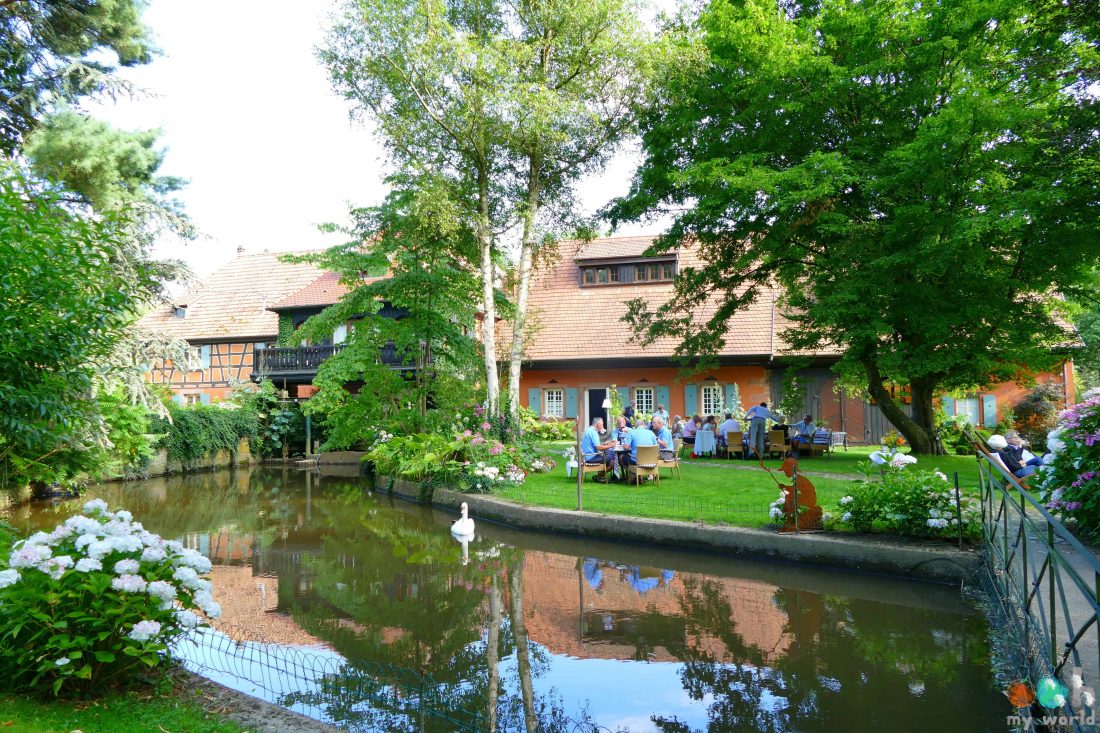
(963, 407)
(716, 400)
(641, 394)
(191, 398)
(553, 407)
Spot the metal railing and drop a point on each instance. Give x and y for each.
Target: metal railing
(1046, 586)
(298, 359)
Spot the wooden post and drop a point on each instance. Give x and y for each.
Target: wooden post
(958, 509)
(794, 488)
(309, 437)
(580, 461)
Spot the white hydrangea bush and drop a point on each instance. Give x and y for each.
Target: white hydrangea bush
(94, 600)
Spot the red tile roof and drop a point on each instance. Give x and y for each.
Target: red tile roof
(233, 302)
(325, 290)
(582, 323)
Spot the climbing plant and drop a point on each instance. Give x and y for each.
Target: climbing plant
(202, 431)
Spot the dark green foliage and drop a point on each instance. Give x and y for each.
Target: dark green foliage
(921, 178)
(278, 422)
(198, 432)
(418, 237)
(1037, 413)
(65, 308)
(55, 51)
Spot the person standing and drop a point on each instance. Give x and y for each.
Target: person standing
(628, 413)
(758, 417)
(662, 413)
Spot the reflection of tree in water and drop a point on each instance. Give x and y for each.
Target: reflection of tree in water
(391, 594)
(839, 656)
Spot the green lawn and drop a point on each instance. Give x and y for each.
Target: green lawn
(132, 712)
(711, 490)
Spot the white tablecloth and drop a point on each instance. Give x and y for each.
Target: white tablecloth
(704, 442)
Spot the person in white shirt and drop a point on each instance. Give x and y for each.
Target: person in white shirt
(804, 434)
(662, 413)
(758, 417)
(729, 426)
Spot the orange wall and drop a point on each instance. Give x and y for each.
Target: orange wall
(752, 380)
(228, 362)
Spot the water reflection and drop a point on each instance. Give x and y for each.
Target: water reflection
(532, 632)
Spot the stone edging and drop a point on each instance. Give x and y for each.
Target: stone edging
(251, 713)
(914, 559)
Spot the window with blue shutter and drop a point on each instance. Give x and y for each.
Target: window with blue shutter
(204, 356)
(732, 395)
(624, 397)
(948, 405)
(571, 402)
(534, 400)
(663, 398)
(204, 398)
(989, 410)
(691, 400)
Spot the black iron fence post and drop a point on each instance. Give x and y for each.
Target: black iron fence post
(958, 509)
(794, 488)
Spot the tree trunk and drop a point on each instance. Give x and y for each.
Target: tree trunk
(523, 651)
(492, 653)
(489, 311)
(919, 430)
(519, 322)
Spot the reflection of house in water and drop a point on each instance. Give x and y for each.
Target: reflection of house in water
(599, 610)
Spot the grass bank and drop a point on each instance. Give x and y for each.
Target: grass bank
(715, 490)
(171, 708)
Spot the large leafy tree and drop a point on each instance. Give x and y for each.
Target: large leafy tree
(410, 264)
(513, 101)
(64, 308)
(919, 178)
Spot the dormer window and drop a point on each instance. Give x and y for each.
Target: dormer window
(629, 272)
(181, 310)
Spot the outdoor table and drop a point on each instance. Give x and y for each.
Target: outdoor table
(704, 443)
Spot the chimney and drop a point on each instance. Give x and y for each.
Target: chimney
(240, 250)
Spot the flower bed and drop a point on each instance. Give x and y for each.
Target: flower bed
(1070, 477)
(94, 601)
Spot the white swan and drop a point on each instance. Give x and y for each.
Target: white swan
(463, 527)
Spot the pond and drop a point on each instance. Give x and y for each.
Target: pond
(361, 610)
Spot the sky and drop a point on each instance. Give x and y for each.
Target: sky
(249, 119)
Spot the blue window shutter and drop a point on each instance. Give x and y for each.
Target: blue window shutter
(571, 402)
(204, 356)
(534, 400)
(624, 397)
(204, 398)
(729, 397)
(989, 410)
(691, 400)
(662, 398)
(948, 405)
(178, 399)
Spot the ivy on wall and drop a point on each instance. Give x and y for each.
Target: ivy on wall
(286, 329)
(202, 431)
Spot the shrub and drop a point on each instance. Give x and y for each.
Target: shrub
(202, 431)
(1070, 482)
(909, 502)
(277, 422)
(1037, 413)
(94, 601)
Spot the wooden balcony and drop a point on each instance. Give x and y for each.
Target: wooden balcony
(299, 364)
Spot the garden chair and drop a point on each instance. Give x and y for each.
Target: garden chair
(673, 464)
(597, 468)
(735, 443)
(820, 443)
(648, 458)
(777, 445)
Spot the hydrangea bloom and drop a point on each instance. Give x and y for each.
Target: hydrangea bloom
(127, 567)
(153, 554)
(87, 565)
(129, 583)
(8, 577)
(162, 589)
(144, 630)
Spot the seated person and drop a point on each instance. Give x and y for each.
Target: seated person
(690, 428)
(664, 439)
(729, 426)
(711, 424)
(622, 430)
(803, 434)
(999, 445)
(1018, 447)
(594, 452)
(677, 427)
(637, 437)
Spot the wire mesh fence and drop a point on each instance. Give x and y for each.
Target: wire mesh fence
(355, 694)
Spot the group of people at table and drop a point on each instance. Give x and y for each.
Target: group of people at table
(617, 449)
